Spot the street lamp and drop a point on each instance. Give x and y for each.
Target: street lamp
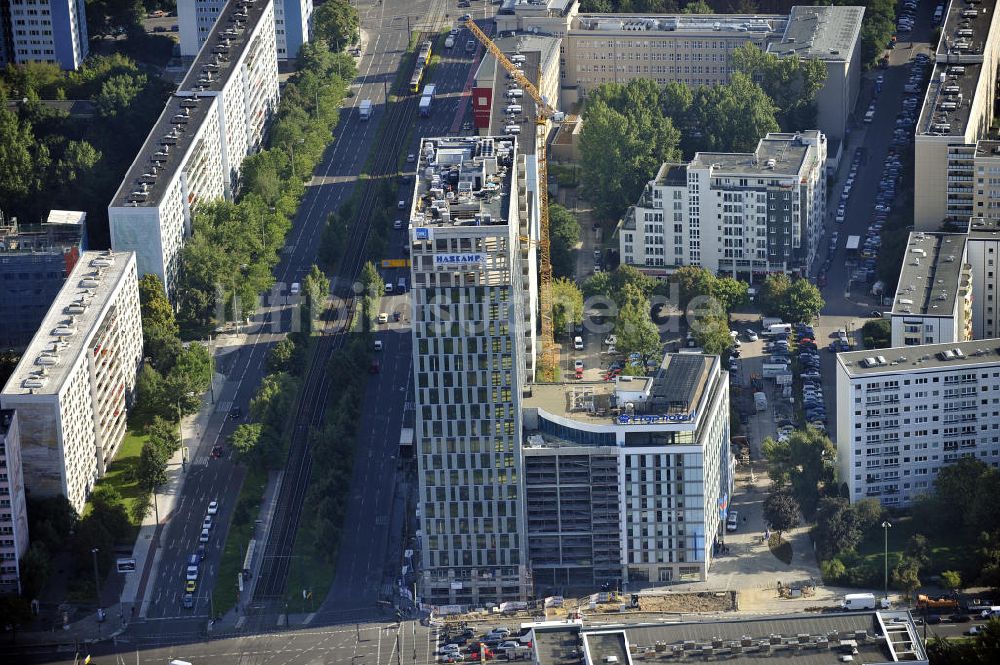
(291, 149)
(97, 586)
(885, 580)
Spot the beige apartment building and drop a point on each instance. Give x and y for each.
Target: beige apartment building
(695, 49)
(956, 115)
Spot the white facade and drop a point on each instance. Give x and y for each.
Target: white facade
(983, 250)
(933, 303)
(469, 369)
(13, 516)
(73, 382)
(629, 484)
(904, 413)
(736, 214)
(51, 31)
(291, 23)
(194, 153)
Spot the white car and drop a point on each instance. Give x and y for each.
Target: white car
(207, 522)
(411, 158)
(611, 340)
(451, 648)
(378, 345)
(383, 317)
(733, 520)
(192, 572)
(213, 507)
(578, 343)
(398, 224)
(752, 336)
(578, 364)
(203, 538)
(401, 204)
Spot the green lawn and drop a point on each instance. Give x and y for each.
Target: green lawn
(307, 572)
(948, 552)
(119, 472)
(246, 511)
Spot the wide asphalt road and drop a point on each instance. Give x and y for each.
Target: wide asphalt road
(209, 479)
(370, 557)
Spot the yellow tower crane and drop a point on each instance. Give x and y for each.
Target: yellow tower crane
(543, 112)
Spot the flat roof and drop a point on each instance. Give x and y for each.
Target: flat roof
(986, 148)
(948, 103)
(932, 273)
(677, 388)
(926, 356)
(826, 33)
(223, 50)
(787, 151)
(746, 24)
(62, 231)
(984, 228)
(954, 44)
(800, 639)
(672, 175)
(70, 323)
(463, 181)
(162, 153)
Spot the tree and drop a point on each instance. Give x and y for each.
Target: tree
(791, 83)
(22, 157)
(118, 94)
(567, 305)
(77, 160)
(336, 22)
(781, 512)
(906, 576)
(635, 330)
(804, 301)
(692, 281)
(792, 301)
(918, 549)
(163, 435)
(697, 7)
(151, 470)
(732, 117)
(316, 288)
(869, 513)
(36, 566)
(877, 334)
(951, 579)
(564, 234)
(712, 334)
(836, 529)
(731, 293)
(773, 294)
(625, 138)
(805, 461)
(245, 438)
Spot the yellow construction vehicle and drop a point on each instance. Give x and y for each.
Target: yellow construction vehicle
(543, 113)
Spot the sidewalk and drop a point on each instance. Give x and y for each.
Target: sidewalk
(132, 601)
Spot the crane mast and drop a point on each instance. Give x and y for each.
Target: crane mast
(543, 111)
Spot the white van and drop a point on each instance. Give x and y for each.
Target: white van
(515, 92)
(296, 289)
(992, 611)
(855, 602)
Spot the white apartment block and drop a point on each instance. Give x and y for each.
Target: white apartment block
(469, 370)
(13, 516)
(904, 413)
(986, 197)
(983, 251)
(933, 302)
(44, 31)
(77, 376)
(628, 482)
(957, 113)
(292, 21)
(218, 116)
(737, 214)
